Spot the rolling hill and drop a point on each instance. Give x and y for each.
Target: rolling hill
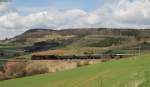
(131, 72)
(97, 40)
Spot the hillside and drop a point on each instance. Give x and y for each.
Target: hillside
(133, 72)
(80, 41)
(37, 35)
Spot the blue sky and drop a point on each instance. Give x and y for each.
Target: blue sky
(18, 16)
(87, 5)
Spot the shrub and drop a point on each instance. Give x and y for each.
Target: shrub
(82, 63)
(15, 69)
(36, 68)
(2, 76)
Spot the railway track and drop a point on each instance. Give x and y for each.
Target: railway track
(69, 57)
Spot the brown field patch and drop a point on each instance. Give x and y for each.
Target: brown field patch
(54, 52)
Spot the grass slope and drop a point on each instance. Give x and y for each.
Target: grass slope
(116, 73)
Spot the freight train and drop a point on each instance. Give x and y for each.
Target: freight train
(79, 57)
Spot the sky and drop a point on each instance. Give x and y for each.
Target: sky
(17, 16)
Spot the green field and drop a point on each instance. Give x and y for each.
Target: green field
(131, 72)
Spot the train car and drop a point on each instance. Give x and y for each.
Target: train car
(65, 57)
(40, 57)
(79, 57)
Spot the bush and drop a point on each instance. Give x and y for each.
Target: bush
(2, 76)
(15, 69)
(36, 68)
(82, 63)
(20, 69)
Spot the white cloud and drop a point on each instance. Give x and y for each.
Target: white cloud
(120, 13)
(137, 11)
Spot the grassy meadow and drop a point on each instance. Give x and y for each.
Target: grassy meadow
(130, 72)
